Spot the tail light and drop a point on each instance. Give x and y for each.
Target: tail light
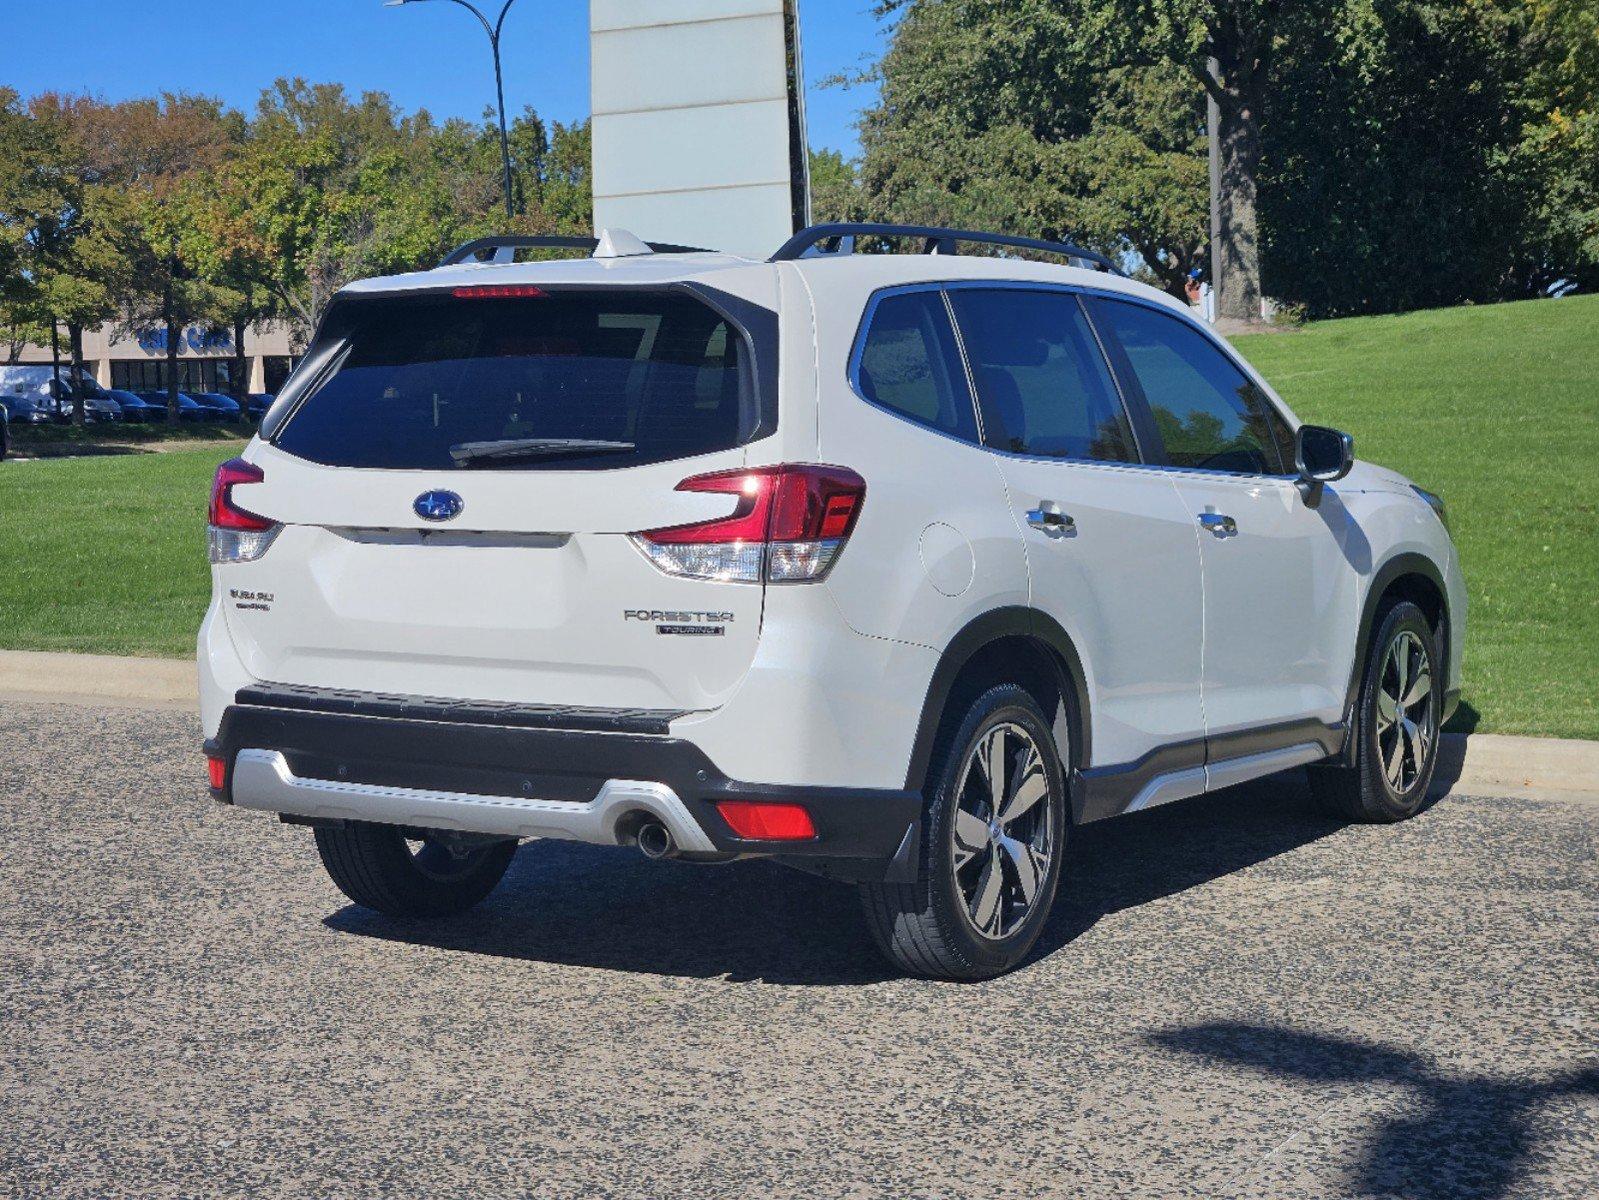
(790, 523)
(499, 291)
(236, 534)
(767, 822)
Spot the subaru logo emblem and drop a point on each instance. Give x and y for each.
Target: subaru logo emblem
(438, 505)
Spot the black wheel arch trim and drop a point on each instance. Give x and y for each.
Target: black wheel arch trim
(1395, 568)
(992, 626)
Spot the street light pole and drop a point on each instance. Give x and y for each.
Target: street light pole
(499, 82)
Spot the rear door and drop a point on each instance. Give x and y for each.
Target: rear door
(1110, 550)
(458, 489)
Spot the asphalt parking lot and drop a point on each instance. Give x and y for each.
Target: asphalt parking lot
(1238, 997)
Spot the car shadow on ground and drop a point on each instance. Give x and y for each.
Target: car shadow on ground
(1456, 1136)
(757, 922)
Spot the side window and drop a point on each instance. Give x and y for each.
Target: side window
(1208, 412)
(1040, 377)
(909, 363)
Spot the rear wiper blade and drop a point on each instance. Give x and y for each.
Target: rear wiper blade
(507, 448)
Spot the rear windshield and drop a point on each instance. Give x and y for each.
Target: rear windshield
(652, 376)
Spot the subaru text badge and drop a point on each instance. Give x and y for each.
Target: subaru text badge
(438, 505)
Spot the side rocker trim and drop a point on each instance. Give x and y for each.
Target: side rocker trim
(1109, 791)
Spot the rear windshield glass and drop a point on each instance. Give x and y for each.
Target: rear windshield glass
(504, 382)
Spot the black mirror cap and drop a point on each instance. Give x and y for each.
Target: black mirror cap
(1323, 455)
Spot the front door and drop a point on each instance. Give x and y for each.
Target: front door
(1280, 596)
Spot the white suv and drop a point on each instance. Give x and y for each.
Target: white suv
(893, 567)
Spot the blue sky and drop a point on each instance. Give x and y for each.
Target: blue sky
(424, 55)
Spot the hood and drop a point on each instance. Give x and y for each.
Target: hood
(1368, 477)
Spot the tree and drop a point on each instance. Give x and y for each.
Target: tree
(1000, 114)
(835, 188)
(1377, 154)
(65, 230)
(23, 204)
(140, 155)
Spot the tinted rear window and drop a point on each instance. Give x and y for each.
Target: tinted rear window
(665, 373)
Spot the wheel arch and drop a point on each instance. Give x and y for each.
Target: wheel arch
(1011, 644)
(1407, 576)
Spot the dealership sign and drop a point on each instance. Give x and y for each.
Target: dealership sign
(698, 111)
(199, 340)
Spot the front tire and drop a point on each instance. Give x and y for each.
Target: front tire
(1396, 725)
(993, 836)
(410, 872)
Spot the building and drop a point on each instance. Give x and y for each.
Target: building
(205, 358)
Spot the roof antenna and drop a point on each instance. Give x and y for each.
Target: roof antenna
(619, 243)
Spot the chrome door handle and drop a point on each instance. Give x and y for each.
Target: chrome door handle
(1218, 523)
(1048, 517)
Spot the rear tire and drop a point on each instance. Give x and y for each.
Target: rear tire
(1395, 728)
(377, 867)
(993, 833)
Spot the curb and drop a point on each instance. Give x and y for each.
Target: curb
(99, 679)
(1491, 764)
(1484, 764)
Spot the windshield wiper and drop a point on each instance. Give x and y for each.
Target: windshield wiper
(468, 453)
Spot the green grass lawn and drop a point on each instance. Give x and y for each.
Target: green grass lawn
(1495, 408)
(106, 554)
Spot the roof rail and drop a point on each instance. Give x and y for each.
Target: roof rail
(935, 240)
(507, 244)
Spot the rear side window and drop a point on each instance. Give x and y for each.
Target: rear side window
(909, 364)
(651, 377)
(1209, 413)
(1041, 379)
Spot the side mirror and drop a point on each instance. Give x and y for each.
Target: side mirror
(1322, 455)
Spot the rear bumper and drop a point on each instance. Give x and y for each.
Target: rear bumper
(515, 780)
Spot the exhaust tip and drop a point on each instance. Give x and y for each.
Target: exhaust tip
(655, 840)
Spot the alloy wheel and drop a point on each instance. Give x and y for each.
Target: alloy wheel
(1406, 714)
(1004, 834)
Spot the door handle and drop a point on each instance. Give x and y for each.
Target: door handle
(1218, 523)
(1048, 517)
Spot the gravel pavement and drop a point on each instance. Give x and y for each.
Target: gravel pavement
(1238, 997)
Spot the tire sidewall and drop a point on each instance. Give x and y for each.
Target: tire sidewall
(1401, 618)
(999, 705)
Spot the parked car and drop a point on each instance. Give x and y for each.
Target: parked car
(1009, 547)
(257, 404)
(5, 431)
(226, 407)
(22, 409)
(98, 403)
(36, 395)
(189, 409)
(136, 407)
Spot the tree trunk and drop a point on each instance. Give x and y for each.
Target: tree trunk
(1239, 288)
(241, 364)
(55, 368)
(1237, 71)
(173, 331)
(75, 341)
